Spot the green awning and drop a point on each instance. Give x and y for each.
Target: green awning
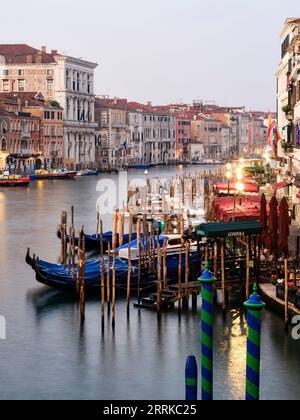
(230, 229)
(254, 169)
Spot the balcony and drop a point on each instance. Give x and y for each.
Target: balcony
(297, 111)
(25, 134)
(295, 66)
(289, 112)
(24, 153)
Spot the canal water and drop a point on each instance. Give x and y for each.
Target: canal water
(47, 355)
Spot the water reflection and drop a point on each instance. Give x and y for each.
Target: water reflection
(48, 355)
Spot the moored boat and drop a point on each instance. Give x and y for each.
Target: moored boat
(60, 277)
(46, 175)
(142, 166)
(173, 245)
(14, 181)
(92, 242)
(88, 172)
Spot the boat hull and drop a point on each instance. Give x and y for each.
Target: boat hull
(67, 175)
(21, 182)
(93, 243)
(88, 173)
(141, 166)
(59, 277)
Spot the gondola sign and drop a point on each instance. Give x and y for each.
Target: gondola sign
(231, 234)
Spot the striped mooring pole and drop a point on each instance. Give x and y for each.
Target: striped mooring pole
(207, 282)
(191, 379)
(254, 307)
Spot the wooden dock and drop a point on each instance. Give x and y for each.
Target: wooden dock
(268, 291)
(169, 296)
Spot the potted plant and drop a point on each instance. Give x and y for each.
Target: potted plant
(280, 290)
(287, 108)
(274, 279)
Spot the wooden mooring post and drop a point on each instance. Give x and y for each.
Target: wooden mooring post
(187, 274)
(114, 290)
(63, 230)
(108, 286)
(102, 270)
(129, 265)
(286, 294)
(81, 276)
(159, 280)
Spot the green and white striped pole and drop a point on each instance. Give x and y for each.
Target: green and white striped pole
(207, 281)
(254, 307)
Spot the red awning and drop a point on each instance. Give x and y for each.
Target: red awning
(280, 185)
(248, 187)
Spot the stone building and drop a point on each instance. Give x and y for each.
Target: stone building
(159, 137)
(50, 146)
(183, 137)
(288, 97)
(130, 133)
(113, 133)
(67, 80)
(257, 135)
(207, 130)
(20, 141)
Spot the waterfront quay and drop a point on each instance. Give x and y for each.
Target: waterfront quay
(58, 350)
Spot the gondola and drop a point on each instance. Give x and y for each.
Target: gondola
(92, 242)
(59, 277)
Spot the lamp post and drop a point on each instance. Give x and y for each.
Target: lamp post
(229, 175)
(240, 189)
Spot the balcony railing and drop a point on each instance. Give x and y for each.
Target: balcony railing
(25, 152)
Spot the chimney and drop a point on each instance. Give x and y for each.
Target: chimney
(54, 52)
(44, 50)
(29, 59)
(149, 103)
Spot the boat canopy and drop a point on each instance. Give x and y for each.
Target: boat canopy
(231, 229)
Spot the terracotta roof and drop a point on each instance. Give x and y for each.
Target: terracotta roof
(32, 98)
(5, 113)
(20, 54)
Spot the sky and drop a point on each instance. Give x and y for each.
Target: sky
(223, 51)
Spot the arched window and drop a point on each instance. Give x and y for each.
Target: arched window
(3, 145)
(24, 144)
(4, 127)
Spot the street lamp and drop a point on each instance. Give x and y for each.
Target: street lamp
(240, 187)
(240, 176)
(228, 177)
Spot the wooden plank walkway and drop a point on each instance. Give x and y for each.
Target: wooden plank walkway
(169, 296)
(269, 294)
